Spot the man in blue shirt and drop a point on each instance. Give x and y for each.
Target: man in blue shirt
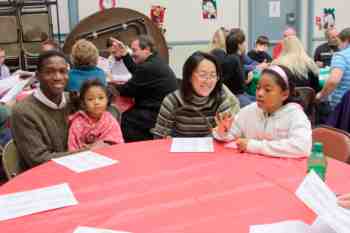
(339, 80)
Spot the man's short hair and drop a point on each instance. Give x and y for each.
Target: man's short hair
(344, 35)
(51, 42)
(146, 41)
(45, 56)
(263, 40)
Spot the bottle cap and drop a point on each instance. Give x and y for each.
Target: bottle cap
(317, 147)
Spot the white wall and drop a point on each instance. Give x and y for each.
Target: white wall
(183, 19)
(184, 23)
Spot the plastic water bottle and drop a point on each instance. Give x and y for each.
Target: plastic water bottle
(317, 161)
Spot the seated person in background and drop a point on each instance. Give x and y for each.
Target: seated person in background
(324, 52)
(218, 45)
(239, 42)
(39, 123)
(152, 79)
(48, 45)
(93, 124)
(116, 69)
(302, 66)
(232, 68)
(344, 200)
(84, 58)
(274, 125)
(339, 80)
(191, 110)
(5, 131)
(276, 51)
(259, 53)
(4, 70)
(219, 39)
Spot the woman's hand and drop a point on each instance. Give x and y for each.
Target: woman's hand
(224, 122)
(344, 200)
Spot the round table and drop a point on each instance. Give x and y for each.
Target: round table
(152, 190)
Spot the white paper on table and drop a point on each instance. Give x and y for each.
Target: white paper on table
(318, 197)
(85, 161)
(319, 226)
(7, 83)
(281, 227)
(103, 63)
(121, 77)
(204, 144)
(29, 202)
(95, 230)
(15, 90)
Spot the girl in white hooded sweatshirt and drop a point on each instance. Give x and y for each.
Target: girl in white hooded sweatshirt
(274, 125)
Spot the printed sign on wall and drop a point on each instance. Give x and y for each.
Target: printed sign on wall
(209, 9)
(274, 9)
(157, 16)
(327, 20)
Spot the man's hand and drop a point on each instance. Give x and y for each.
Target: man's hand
(119, 47)
(320, 64)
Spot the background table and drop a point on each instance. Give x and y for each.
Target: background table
(154, 191)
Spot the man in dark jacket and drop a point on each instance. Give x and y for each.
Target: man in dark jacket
(324, 52)
(152, 79)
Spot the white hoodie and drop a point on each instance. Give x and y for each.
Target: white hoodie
(285, 133)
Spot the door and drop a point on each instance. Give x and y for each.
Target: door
(271, 18)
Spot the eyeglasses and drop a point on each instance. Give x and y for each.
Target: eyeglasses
(203, 76)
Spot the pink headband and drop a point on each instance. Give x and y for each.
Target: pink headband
(280, 72)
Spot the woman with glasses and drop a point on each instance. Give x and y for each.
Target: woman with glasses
(191, 110)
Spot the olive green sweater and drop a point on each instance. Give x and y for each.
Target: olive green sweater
(39, 132)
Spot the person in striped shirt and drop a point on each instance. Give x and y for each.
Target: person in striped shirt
(191, 110)
(339, 80)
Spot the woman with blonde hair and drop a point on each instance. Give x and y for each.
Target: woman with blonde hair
(303, 67)
(84, 57)
(219, 38)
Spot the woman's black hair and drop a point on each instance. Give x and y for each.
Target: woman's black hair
(87, 85)
(45, 56)
(293, 97)
(233, 40)
(190, 66)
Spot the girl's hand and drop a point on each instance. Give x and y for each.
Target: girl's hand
(98, 144)
(224, 122)
(242, 144)
(344, 200)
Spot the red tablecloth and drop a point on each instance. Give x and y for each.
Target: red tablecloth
(154, 191)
